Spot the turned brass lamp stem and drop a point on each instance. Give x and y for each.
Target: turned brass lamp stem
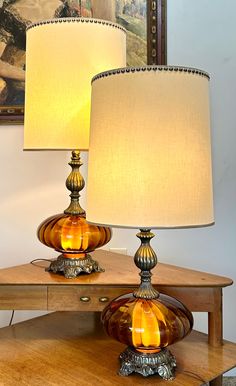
(75, 183)
(146, 259)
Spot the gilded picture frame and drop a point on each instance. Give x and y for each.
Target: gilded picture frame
(145, 21)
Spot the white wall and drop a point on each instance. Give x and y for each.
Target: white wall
(201, 34)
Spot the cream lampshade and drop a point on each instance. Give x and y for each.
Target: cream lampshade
(151, 139)
(62, 56)
(150, 136)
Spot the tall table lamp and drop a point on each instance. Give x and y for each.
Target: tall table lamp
(150, 134)
(62, 56)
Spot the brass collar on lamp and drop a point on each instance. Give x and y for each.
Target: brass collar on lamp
(156, 154)
(62, 56)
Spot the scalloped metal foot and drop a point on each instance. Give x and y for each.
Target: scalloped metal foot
(162, 363)
(71, 268)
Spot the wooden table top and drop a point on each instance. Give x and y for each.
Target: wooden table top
(120, 270)
(70, 348)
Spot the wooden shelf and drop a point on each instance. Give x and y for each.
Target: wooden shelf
(70, 348)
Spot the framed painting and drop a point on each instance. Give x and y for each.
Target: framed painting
(144, 20)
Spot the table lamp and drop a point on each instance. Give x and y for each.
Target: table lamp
(150, 134)
(62, 56)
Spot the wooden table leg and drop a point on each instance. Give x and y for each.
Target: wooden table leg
(217, 381)
(215, 320)
(215, 329)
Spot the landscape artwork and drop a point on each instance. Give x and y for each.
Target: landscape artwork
(16, 15)
(131, 14)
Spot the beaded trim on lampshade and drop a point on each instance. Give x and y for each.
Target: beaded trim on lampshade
(124, 70)
(77, 20)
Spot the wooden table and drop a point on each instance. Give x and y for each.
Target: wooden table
(70, 348)
(29, 287)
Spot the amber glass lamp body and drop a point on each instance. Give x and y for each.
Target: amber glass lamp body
(148, 325)
(72, 235)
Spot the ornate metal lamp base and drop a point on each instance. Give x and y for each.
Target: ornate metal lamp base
(162, 363)
(73, 267)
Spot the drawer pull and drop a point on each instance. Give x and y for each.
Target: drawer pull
(85, 299)
(103, 299)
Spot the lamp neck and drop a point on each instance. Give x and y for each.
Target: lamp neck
(146, 259)
(75, 183)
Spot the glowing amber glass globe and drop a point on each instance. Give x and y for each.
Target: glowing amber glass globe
(147, 325)
(72, 235)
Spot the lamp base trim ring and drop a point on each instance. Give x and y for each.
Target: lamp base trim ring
(71, 268)
(162, 363)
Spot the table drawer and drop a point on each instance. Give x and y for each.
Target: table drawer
(82, 298)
